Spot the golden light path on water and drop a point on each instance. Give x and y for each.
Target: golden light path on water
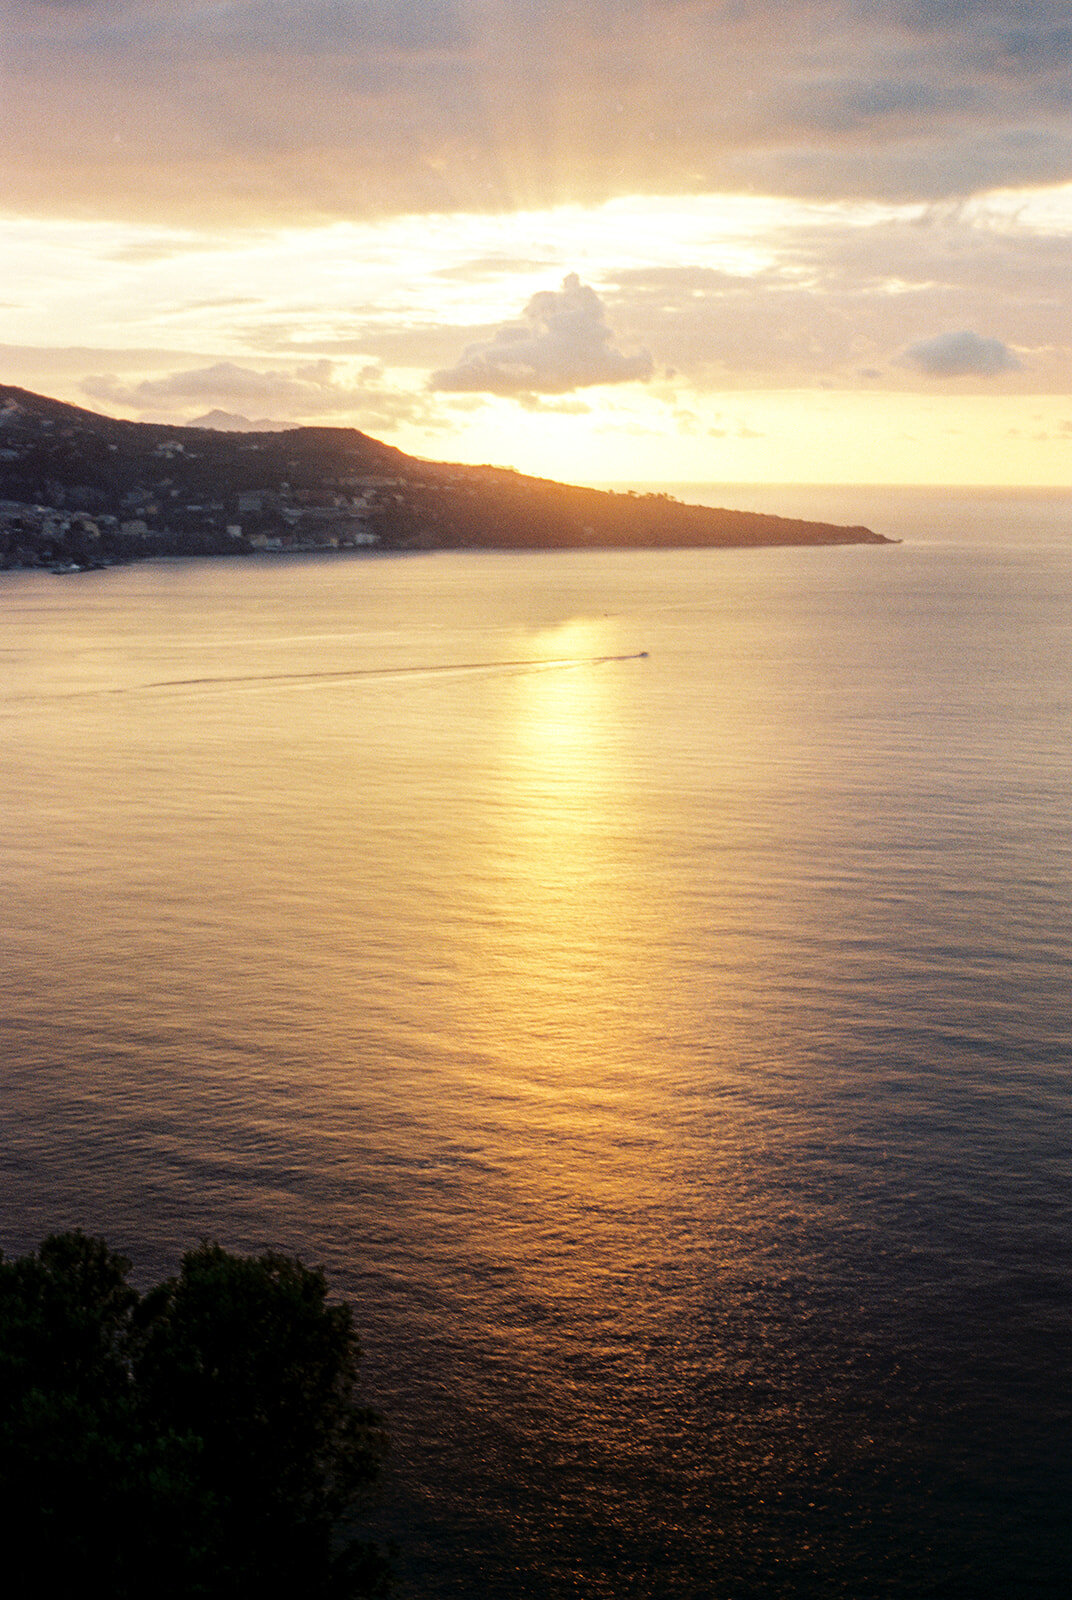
(558, 931)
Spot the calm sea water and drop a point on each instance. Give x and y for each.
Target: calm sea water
(669, 1055)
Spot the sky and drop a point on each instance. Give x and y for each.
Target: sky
(649, 241)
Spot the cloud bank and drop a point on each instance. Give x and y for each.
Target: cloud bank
(257, 109)
(562, 343)
(309, 391)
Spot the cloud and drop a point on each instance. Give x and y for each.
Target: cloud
(563, 343)
(840, 296)
(225, 383)
(308, 392)
(261, 109)
(961, 355)
(557, 408)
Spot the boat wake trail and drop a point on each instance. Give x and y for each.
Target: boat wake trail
(253, 680)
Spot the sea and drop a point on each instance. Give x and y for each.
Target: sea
(642, 980)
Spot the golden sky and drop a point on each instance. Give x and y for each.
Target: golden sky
(816, 240)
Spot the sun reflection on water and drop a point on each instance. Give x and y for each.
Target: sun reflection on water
(561, 889)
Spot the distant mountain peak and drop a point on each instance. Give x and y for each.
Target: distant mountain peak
(232, 422)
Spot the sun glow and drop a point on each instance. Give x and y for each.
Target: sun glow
(756, 372)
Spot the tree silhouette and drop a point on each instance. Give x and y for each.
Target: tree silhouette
(200, 1440)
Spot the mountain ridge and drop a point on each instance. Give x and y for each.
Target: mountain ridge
(79, 488)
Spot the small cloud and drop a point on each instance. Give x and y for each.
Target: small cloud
(488, 267)
(559, 408)
(157, 248)
(310, 390)
(961, 355)
(563, 343)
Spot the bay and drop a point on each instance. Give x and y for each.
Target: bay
(641, 979)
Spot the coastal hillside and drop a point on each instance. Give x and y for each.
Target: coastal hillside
(78, 489)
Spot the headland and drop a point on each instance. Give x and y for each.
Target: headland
(81, 490)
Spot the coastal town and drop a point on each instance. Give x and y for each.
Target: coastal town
(79, 490)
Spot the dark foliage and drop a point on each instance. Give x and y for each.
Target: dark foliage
(201, 1440)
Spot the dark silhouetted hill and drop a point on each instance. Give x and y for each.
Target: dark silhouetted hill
(77, 489)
